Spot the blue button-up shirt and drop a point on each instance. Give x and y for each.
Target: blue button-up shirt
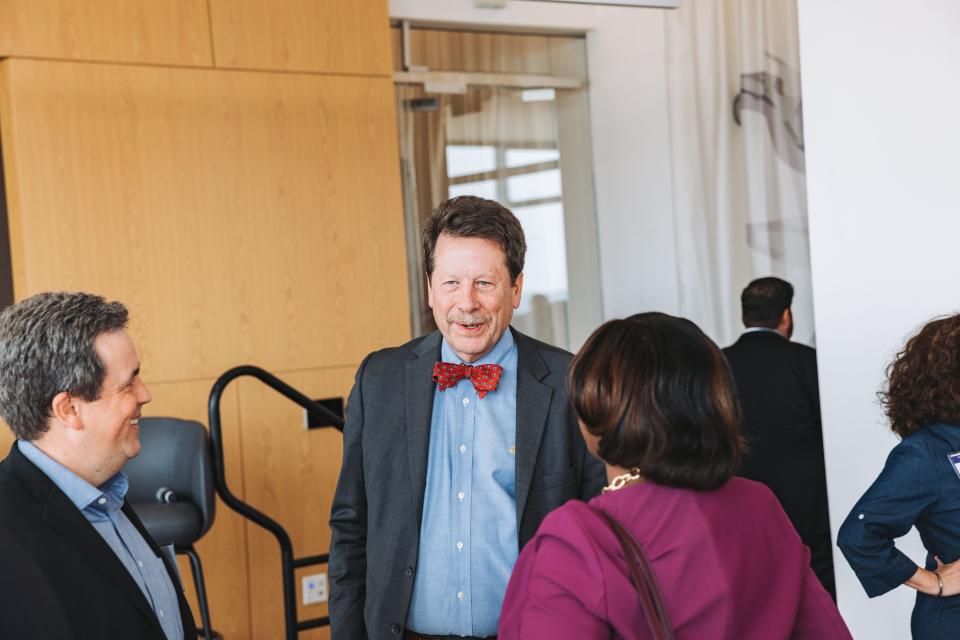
(918, 487)
(468, 536)
(101, 507)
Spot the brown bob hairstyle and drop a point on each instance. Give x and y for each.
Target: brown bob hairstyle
(659, 395)
(923, 385)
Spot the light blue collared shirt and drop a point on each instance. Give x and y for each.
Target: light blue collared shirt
(101, 507)
(468, 536)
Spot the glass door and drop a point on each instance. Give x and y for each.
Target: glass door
(501, 144)
(505, 117)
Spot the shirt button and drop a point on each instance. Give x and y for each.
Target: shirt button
(463, 448)
(160, 612)
(459, 546)
(461, 496)
(460, 595)
(860, 517)
(466, 401)
(140, 563)
(102, 501)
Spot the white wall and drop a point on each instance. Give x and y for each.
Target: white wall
(882, 127)
(626, 58)
(881, 103)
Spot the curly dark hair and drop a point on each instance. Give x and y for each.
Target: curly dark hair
(923, 381)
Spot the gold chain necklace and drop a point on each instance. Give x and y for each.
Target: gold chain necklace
(619, 482)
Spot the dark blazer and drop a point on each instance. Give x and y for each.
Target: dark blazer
(777, 384)
(378, 503)
(76, 581)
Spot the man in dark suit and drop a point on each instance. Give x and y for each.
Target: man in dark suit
(71, 393)
(777, 384)
(456, 446)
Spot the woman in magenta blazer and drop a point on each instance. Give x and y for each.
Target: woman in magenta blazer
(656, 404)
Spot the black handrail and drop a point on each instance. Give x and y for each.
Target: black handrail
(291, 624)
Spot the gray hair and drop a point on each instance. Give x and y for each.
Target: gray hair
(46, 347)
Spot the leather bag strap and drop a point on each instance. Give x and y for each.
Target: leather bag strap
(643, 579)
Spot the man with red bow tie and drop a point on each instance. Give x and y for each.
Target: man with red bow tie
(456, 446)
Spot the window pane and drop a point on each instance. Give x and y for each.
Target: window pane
(533, 186)
(521, 157)
(545, 271)
(463, 160)
(484, 188)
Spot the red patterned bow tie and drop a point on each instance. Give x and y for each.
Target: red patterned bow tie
(484, 377)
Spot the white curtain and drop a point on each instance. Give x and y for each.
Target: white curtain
(737, 140)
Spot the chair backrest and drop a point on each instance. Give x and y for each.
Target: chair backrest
(175, 455)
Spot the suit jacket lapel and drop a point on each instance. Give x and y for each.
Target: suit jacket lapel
(63, 516)
(154, 545)
(533, 407)
(420, 390)
(186, 616)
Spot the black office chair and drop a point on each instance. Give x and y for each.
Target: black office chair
(172, 491)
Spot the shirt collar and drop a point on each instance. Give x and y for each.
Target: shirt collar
(762, 330)
(496, 355)
(81, 493)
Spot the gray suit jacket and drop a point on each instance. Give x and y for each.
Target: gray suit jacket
(378, 504)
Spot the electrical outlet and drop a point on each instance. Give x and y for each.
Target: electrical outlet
(314, 588)
(313, 421)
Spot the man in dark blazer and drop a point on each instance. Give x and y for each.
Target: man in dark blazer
(73, 548)
(777, 385)
(456, 446)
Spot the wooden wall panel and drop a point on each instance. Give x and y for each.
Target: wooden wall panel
(143, 31)
(223, 549)
(10, 175)
(302, 35)
(290, 474)
(6, 438)
(243, 217)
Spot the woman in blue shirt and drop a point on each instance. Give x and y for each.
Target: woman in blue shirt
(919, 485)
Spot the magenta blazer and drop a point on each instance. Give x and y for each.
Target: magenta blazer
(729, 564)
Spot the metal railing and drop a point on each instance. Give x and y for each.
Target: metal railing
(289, 562)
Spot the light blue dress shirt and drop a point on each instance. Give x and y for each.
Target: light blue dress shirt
(468, 535)
(101, 507)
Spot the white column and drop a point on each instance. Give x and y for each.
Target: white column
(882, 123)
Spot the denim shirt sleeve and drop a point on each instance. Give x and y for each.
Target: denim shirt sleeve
(903, 492)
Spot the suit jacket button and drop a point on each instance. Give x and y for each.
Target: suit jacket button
(395, 628)
(408, 571)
